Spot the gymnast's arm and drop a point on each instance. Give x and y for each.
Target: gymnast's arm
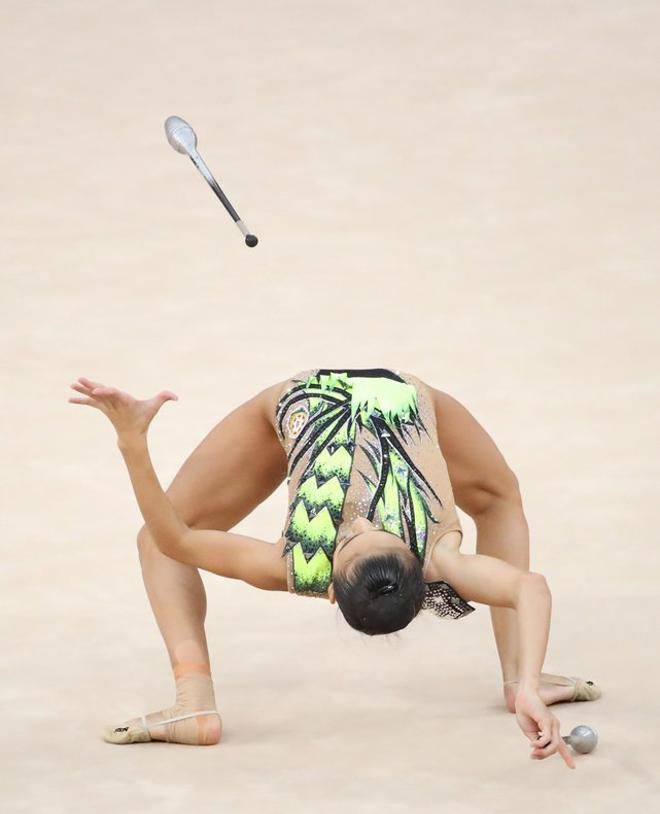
(492, 581)
(236, 556)
(221, 552)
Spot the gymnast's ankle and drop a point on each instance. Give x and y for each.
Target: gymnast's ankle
(178, 723)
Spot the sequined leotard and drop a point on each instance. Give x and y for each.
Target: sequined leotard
(361, 443)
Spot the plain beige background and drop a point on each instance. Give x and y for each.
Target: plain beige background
(464, 190)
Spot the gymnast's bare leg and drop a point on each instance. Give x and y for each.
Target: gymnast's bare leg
(233, 469)
(486, 489)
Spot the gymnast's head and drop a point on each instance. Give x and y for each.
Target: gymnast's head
(377, 580)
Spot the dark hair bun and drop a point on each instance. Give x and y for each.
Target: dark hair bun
(382, 594)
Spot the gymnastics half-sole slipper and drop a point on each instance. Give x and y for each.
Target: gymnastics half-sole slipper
(133, 733)
(127, 733)
(584, 690)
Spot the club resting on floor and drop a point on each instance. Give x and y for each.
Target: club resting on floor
(583, 739)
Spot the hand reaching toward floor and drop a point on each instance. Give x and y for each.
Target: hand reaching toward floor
(129, 416)
(541, 727)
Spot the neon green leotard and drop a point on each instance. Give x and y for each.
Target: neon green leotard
(361, 443)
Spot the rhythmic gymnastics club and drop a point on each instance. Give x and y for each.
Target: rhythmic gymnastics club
(583, 739)
(184, 140)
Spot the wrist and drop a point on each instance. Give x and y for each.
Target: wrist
(131, 440)
(528, 685)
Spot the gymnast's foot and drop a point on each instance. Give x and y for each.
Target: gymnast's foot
(555, 689)
(193, 719)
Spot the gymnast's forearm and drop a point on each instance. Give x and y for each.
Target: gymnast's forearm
(533, 609)
(164, 524)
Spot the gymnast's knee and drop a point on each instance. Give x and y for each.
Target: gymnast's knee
(481, 495)
(509, 487)
(145, 543)
(505, 488)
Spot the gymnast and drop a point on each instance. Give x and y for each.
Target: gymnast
(375, 462)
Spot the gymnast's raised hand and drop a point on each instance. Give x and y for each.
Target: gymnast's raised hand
(129, 416)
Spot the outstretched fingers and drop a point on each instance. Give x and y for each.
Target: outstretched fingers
(94, 391)
(91, 402)
(89, 383)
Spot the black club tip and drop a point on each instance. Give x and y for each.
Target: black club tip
(251, 240)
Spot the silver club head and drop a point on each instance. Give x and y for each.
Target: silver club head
(583, 739)
(180, 135)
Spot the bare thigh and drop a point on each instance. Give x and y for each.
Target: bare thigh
(233, 469)
(477, 469)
